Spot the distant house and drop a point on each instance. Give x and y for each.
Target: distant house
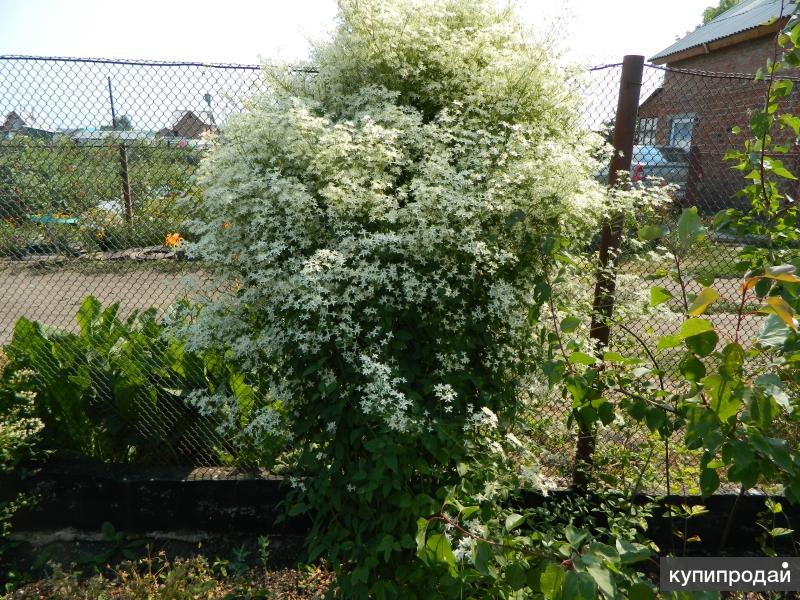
(698, 112)
(188, 125)
(26, 123)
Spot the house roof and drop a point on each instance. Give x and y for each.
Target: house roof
(749, 14)
(29, 120)
(202, 115)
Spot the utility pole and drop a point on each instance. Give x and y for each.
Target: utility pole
(123, 162)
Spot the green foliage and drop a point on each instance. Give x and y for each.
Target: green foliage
(101, 391)
(712, 12)
(567, 548)
(62, 177)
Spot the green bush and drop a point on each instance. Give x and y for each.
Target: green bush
(120, 390)
(383, 229)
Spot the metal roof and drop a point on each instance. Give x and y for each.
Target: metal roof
(749, 14)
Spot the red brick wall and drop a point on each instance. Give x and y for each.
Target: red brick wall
(718, 104)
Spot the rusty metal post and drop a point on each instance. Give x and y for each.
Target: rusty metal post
(123, 162)
(605, 287)
(126, 183)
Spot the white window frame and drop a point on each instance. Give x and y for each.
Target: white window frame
(646, 135)
(682, 120)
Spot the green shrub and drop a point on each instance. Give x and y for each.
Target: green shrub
(383, 228)
(121, 390)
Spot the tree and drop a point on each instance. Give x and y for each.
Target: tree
(124, 123)
(712, 12)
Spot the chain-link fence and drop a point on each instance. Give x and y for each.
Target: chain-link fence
(96, 165)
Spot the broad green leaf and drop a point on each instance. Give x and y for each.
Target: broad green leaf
(692, 368)
(702, 344)
(690, 229)
(515, 576)
(422, 530)
(773, 332)
(693, 327)
(709, 482)
(582, 358)
(551, 581)
(641, 591)
(602, 577)
(782, 309)
(724, 397)
(579, 586)
(659, 295)
(513, 521)
(631, 552)
(649, 233)
(570, 324)
(438, 550)
(483, 554)
(575, 536)
(732, 361)
(668, 341)
(704, 299)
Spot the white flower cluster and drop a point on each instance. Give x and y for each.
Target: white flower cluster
(390, 205)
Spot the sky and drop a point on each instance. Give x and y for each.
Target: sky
(71, 96)
(246, 31)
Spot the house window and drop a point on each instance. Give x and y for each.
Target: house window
(646, 135)
(681, 131)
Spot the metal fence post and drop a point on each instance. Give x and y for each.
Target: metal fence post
(603, 304)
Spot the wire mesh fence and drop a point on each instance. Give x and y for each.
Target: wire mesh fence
(96, 166)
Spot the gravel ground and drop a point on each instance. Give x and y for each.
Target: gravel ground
(52, 295)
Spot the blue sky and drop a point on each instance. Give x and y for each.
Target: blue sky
(243, 31)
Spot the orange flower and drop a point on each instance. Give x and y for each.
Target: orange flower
(225, 224)
(172, 240)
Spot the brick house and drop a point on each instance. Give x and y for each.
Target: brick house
(698, 111)
(188, 125)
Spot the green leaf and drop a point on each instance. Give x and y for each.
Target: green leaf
(773, 332)
(513, 521)
(659, 295)
(649, 233)
(579, 586)
(551, 581)
(641, 591)
(703, 300)
(515, 576)
(574, 536)
(668, 341)
(732, 360)
(782, 309)
(422, 530)
(724, 398)
(582, 359)
(631, 552)
(690, 229)
(602, 577)
(702, 344)
(709, 482)
(693, 327)
(439, 551)
(483, 554)
(87, 313)
(692, 368)
(570, 324)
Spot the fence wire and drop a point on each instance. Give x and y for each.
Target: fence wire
(96, 166)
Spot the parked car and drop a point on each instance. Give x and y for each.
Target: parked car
(662, 164)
